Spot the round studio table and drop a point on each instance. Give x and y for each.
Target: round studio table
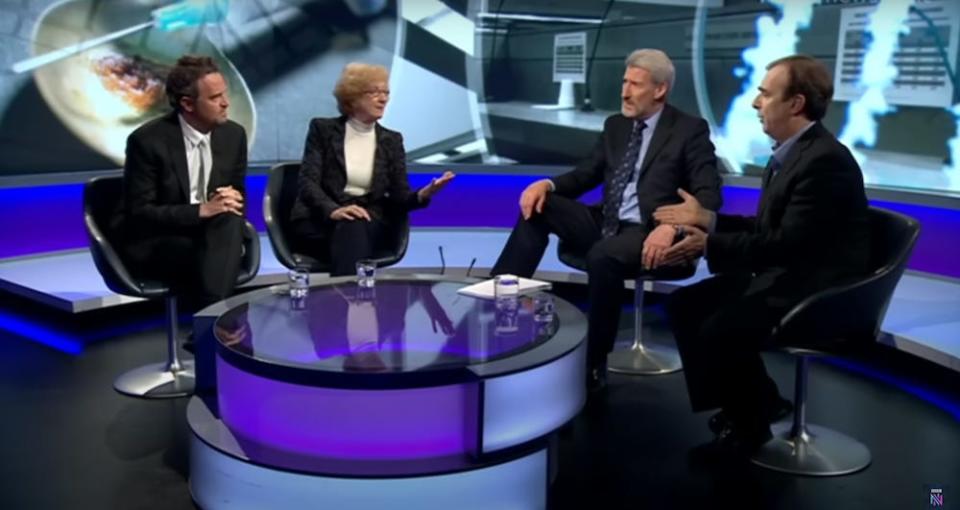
(408, 394)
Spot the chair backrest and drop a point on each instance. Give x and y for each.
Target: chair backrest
(854, 311)
(250, 262)
(103, 217)
(570, 256)
(278, 200)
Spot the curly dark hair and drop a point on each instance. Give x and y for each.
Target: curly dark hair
(183, 77)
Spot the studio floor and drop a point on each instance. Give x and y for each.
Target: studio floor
(72, 442)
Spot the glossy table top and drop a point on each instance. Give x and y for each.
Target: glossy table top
(402, 325)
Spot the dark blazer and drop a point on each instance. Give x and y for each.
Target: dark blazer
(156, 183)
(811, 228)
(323, 175)
(680, 155)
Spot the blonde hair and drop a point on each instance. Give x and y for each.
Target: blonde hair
(355, 81)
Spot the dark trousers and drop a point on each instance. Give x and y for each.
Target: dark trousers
(609, 261)
(203, 261)
(720, 330)
(343, 242)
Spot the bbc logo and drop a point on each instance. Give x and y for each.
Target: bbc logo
(936, 498)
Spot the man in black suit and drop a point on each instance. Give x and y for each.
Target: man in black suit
(643, 155)
(184, 184)
(810, 232)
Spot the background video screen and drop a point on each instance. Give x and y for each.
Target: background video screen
(494, 82)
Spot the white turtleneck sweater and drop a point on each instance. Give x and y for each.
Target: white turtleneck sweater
(359, 147)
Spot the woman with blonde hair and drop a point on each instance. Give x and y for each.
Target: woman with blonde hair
(353, 181)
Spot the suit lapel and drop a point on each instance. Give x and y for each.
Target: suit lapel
(621, 139)
(216, 179)
(337, 141)
(379, 159)
(660, 136)
(178, 155)
(774, 182)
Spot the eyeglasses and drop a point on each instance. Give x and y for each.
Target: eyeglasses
(378, 92)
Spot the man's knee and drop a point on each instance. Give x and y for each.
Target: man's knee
(226, 221)
(680, 302)
(601, 258)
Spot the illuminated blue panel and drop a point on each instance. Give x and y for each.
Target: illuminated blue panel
(223, 482)
(530, 404)
(40, 333)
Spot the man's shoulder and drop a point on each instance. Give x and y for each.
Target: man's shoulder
(680, 117)
(232, 129)
(823, 146)
(155, 126)
(617, 121)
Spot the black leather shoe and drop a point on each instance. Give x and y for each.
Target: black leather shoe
(719, 422)
(596, 379)
(730, 445)
(189, 345)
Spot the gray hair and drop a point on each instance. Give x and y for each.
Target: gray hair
(657, 63)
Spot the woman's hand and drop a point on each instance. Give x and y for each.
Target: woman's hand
(350, 212)
(436, 184)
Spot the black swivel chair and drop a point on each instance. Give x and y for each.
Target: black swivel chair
(278, 201)
(839, 320)
(102, 206)
(639, 359)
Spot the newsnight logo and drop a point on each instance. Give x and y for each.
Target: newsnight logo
(936, 498)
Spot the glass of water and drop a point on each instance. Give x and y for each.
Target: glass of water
(366, 273)
(299, 280)
(543, 307)
(506, 316)
(506, 286)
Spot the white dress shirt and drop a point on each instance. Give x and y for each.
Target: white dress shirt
(192, 142)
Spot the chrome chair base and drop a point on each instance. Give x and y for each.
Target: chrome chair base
(642, 359)
(817, 452)
(157, 381)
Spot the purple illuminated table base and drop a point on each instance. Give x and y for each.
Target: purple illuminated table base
(416, 381)
(350, 423)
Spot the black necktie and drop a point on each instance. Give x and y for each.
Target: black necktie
(611, 206)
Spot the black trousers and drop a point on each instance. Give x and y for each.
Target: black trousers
(720, 330)
(343, 242)
(202, 261)
(609, 261)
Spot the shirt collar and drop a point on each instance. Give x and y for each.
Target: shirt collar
(191, 135)
(651, 122)
(360, 126)
(780, 151)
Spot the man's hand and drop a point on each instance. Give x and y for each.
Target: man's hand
(221, 203)
(656, 245)
(689, 212)
(350, 212)
(533, 197)
(436, 184)
(229, 192)
(687, 250)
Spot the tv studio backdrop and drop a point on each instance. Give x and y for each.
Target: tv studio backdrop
(503, 92)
